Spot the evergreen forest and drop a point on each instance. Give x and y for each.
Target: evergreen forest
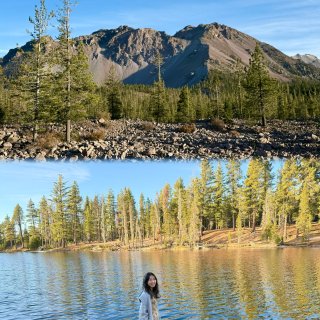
(220, 198)
(51, 83)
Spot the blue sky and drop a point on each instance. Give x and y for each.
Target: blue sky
(293, 26)
(21, 181)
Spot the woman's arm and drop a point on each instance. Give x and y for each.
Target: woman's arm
(144, 311)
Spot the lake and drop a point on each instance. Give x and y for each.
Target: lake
(204, 284)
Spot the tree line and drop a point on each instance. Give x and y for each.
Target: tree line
(51, 82)
(216, 199)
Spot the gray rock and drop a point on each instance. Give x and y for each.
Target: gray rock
(2, 135)
(40, 157)
(14, 137)
(73, 158)
(126, 139)
(264, 140)
(102, 121)
(152, 151)
(124, 155)
(7, 145)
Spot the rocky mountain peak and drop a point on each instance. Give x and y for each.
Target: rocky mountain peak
(309, 59)
(206, 30)
(187, 56)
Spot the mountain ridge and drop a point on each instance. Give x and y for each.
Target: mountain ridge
(188, 55)
(308, 58)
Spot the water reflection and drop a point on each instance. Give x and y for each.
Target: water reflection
(215, 284)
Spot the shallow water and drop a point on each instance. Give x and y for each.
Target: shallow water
(213, 284)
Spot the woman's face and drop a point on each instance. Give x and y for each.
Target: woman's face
(152, 282)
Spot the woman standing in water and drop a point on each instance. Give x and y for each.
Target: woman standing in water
(148, 298)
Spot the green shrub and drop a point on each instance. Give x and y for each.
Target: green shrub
(270, 233)
(34, 243)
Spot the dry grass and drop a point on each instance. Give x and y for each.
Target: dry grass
(188, 128)
(218, 124)
(148, 126)
(235, 133)
(48, 140)
(92, 135)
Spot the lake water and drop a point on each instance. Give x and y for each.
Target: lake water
(210, 284)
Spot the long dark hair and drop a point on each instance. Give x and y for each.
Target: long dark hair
(153, 292)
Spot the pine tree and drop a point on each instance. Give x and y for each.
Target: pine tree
(59, 217)
(34, 222)
(83, 88)
(65, 57)
(156, 220)
(234, 175)
(123, 213)
(214, 89)
(243, 209)
(128, 216)
(96, 214)
(9, 232)
(286, 194)
(88, 220)
(239, 76)
(168, 221)
(45, 215)
(74, 201)
(147, 217)
(194, 229)
(3, 96)
(177, 207)
(158, 101)
(39, 61)
(19, 109)
(143, 217)
(132, 213)
(260, 88)
(2, 234)
(304, 217)
(268, 221)
(309, 173)
(218, 199)
(158, 96)
(206, 183)
(17, 219)
(32, 219)
(74, 85)
(184, 107)
(110, 213)
(254, 190)
(113, 85)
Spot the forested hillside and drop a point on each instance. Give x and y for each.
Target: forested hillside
(222, 198)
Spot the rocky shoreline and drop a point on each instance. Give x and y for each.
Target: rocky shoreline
(141, 140)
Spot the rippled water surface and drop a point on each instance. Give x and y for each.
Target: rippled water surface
(214, 284)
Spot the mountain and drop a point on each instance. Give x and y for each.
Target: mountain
(187, 56)
(309, 59)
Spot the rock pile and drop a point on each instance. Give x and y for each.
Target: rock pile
(128, 139)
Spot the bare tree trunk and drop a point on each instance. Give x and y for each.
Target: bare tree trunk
(68, 131)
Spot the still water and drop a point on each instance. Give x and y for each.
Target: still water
(213, 284)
